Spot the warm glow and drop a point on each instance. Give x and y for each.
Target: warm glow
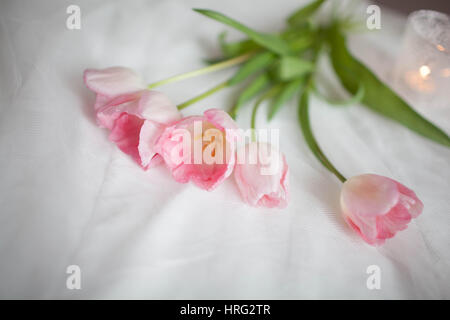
(446, 73)
(417, 82)
(424, 71)
(440, 48)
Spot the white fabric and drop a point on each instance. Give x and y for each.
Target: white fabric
(70, 197)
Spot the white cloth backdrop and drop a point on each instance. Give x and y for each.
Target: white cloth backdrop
(70, 197)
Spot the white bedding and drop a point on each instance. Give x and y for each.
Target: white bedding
(68, 196)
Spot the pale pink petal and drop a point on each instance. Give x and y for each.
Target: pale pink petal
(149, 134)
(100, 101)
(223, 121)
(170, 139)
(378, 207)
(113, 81)
(125, 134)
(369, 240)
(261, 187)
(109, 112)
(206, 176)
(410, 200)
(369, 195)
(135, 116)
(156, 106)
(396, 219)
(155, 161)
(220, 119)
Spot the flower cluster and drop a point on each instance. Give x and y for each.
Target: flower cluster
(146, 125)
(205, 149)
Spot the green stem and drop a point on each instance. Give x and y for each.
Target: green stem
(215, 67)
(203, 95)
(268, 94)
(309, 136)
(303, 117)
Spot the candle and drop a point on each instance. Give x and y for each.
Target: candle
(422, 69)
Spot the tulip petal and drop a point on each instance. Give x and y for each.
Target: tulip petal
(370, 195)
(113, 81)
(204, 175)
(220, 119)
(260, 187)
(378, 207)
(410, 200)
(125, 133)
(126, 103)
(135, 116)
(156, 106)
(149, 134)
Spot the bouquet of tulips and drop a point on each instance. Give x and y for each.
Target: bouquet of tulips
(206, 149)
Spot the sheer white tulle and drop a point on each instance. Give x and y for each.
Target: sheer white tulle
(70, 197)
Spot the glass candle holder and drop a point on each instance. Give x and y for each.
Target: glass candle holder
(422, 71)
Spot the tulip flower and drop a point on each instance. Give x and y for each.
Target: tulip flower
(134, 115)
(199, 148)
(377, 207)
(262, 176)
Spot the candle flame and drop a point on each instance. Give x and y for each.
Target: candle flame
(424, 71)
(440, 48)
(416, 81)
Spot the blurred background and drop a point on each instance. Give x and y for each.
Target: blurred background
(407, 6)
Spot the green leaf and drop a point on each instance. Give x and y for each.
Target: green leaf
(301, 30)
(299, 17)
(293, 68)
(256, 63)
(271, 42)
(286, 93)
(303, 117)
(232, 49)
(356, 98)
(256, 86)
(266, 95)
(301, 37)
(378, 96)
(302, 43)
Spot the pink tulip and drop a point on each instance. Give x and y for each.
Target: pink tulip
(377, 207)
(135, 116)
(187, 161)
(262, 177)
